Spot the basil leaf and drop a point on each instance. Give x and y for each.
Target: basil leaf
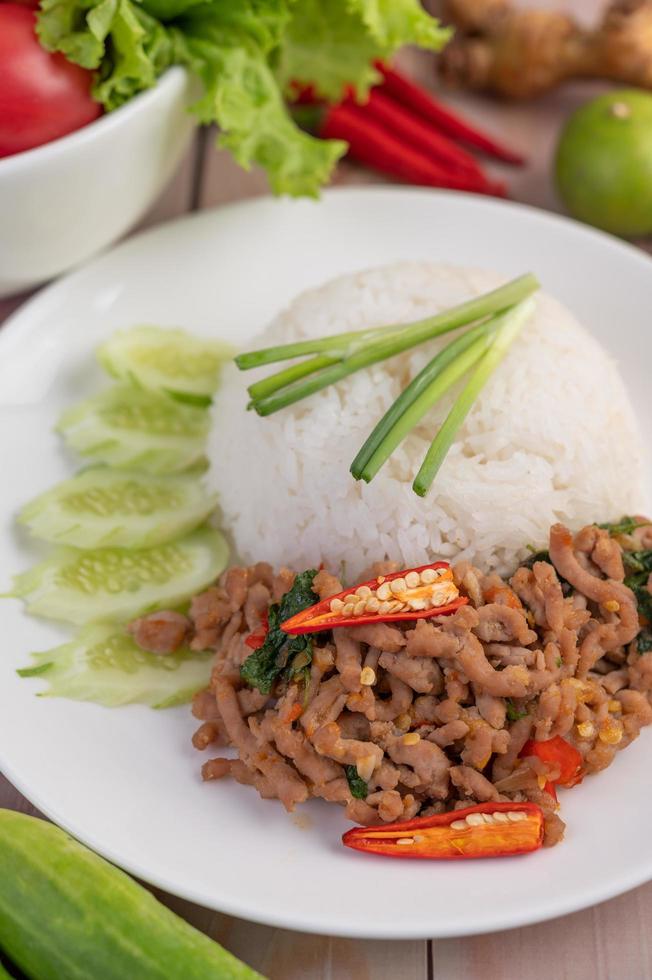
(357, 785)
(282, 655)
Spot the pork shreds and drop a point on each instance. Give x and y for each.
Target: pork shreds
(551, 652)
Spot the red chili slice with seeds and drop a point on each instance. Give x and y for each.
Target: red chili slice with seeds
(485, 830)
(415, 593)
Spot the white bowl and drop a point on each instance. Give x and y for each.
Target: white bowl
(62, 202)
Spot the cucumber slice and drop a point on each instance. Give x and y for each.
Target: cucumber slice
(110, 584)
(101, 507)
(103, 664)
(164, 360)
(127, 427)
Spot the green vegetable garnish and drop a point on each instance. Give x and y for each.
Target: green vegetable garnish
(104, 664)
(127, 427)
(638, 567)
(167, 361)
(644, 641)
(440, 374)
(513, 713)
(246, 56)
(401, 336)
(626, 525)
(282, 655)
(498, 316)
(101, 507)
(109, 584)
(513, 322)
(357, 785)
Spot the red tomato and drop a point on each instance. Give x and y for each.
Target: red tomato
(42, 96)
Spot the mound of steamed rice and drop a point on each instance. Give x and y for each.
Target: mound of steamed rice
(551, 438)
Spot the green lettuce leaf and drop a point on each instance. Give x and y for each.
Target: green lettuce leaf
(230, 54)
(333, 43)
(327, 44)
(392, 23)
(246, 54)
(129, 48)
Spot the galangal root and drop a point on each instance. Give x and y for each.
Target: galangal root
(520, 54)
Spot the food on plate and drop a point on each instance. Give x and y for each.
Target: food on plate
(415, 593)
(128, 427)
(165, 360)
(537, 680)
(603, 166)
(498, 317)
(66, 912)
(42, 95)
(548, 438)
(102, 507)
(103, 663)
(246, 57)
(523, 53)
(475, 659)
(485, 830)
(135, 539)
(109, 584)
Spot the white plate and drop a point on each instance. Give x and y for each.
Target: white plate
(126, 781)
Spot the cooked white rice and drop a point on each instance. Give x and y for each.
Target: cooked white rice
(552, 437)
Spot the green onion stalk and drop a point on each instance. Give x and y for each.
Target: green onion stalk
(513, 322)
(342, 355)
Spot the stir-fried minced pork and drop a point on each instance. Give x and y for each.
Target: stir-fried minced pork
(432, 714)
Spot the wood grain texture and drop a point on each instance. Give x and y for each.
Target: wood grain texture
(608, 942)
(284, 955)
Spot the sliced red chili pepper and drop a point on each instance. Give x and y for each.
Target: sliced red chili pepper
(562, 755)
(552, 790)
(485, 830)
(256, 639)
(414, 593)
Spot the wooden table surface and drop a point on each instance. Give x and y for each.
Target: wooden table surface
(608, 942)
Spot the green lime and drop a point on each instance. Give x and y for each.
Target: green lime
(604, 163)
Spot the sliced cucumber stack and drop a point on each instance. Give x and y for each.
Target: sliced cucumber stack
(173, 362)
(130, 428)
(102, 507)
(131, 530)
(109, 584)
(103, 664)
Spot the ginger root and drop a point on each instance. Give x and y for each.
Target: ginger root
(520, 54)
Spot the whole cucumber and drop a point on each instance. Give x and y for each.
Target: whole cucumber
(3, 973)
(66, 914)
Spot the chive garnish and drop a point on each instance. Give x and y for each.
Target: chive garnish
(494, 320)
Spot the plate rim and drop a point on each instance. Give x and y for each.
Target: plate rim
(581, 899)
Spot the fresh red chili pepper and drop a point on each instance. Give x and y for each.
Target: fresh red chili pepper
(562, 755)
(256, 639)
(414, 593)
(403, 123)
(373, 145)
(422, 102)
(485, 830)
(301, 94)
